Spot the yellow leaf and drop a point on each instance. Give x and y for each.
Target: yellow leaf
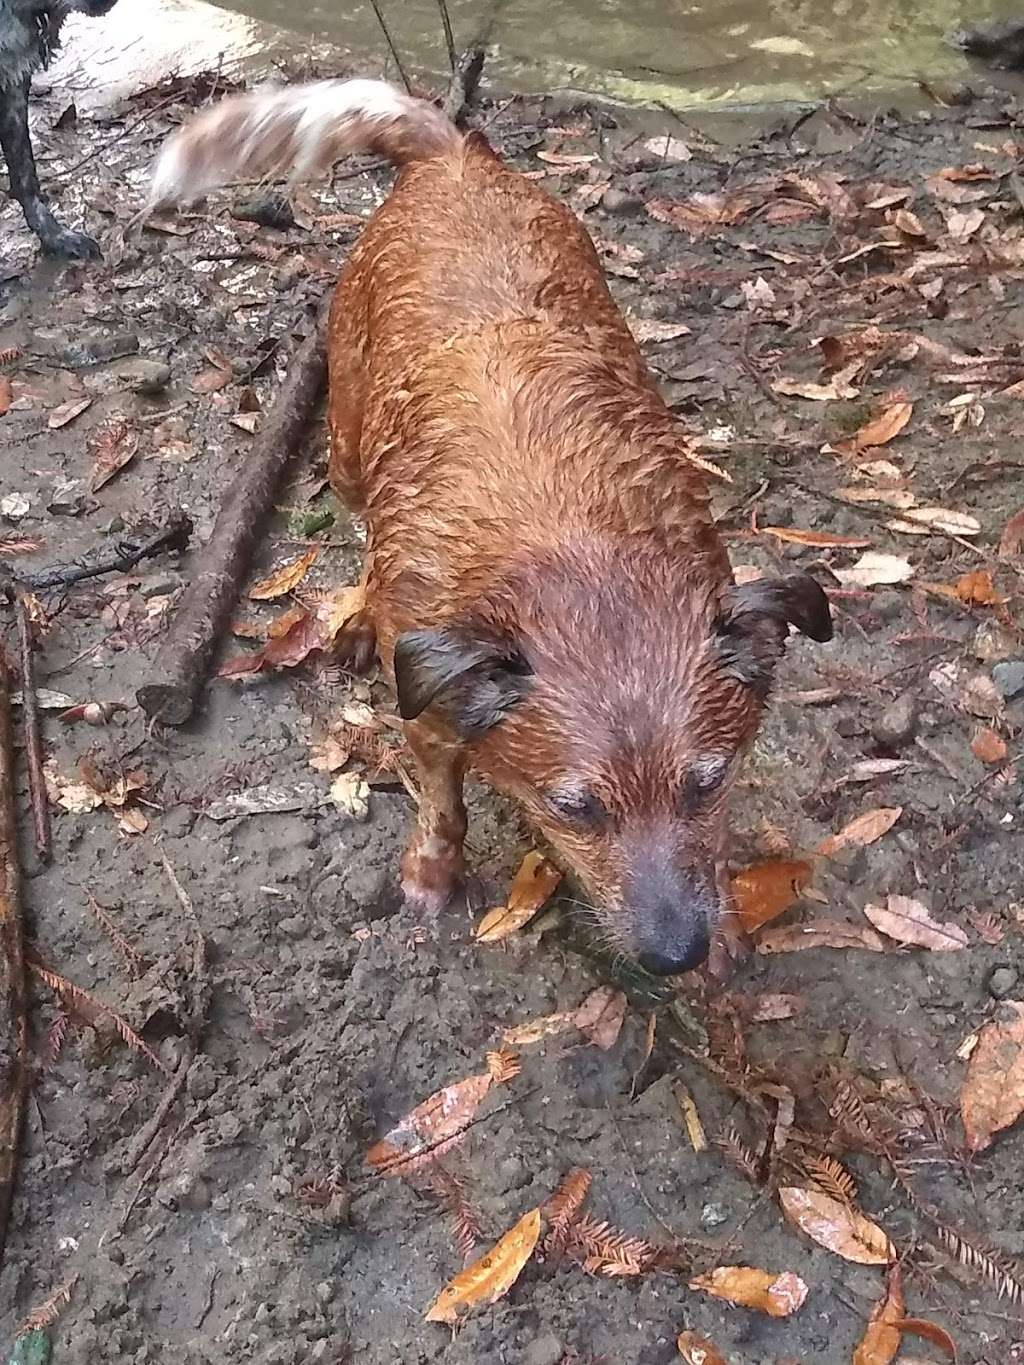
(765, 891)
(342, 606)
(881, 1342)
(822, 540)
(838, 1227)
(865, 829)
(993, 1091)
(697, 1350)
(492, 1276)
(534, 883)
(777, 1295)
(285, 579)
(881, 429)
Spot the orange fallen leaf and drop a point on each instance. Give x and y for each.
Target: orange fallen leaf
(930, 1331)
(697, 1350)
(490, 1277)
(1013, 536)
(6, 394)
(111, 447)
(865, 829)
(533, 885)
(992, 1096)
(763, 892)
(974, 589)
(880, 430)
(880, 1344)
(795, 535)
(836, 1226)
(601, 1016)
(822, 933)
(778, 1295)
(298, 632)
(285, 579)
(908, 921)
(988, 746)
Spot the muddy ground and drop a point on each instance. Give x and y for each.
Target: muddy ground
(250, 1228)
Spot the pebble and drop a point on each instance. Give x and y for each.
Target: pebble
(618, 201)
(993, 642)
(897, 723)
(545, 1350)
(713, 1215)
(67, 499)
(1009, 678)
(1001, 982)
(147, 377)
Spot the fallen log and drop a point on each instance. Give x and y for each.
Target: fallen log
(182, 661)
(14, 1058)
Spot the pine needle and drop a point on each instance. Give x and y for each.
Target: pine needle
(130, 957)
(604, 1250)
(732, 1146)
(563, 1209)
(832, 1178)
(47, 1313)
(994, 1266)
(92, 1009)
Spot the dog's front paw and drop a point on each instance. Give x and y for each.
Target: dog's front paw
(71, 245)
(431, 875)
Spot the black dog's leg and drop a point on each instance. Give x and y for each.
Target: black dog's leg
(21, 168)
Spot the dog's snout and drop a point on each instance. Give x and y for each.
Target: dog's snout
(673, 911)
(678, 941)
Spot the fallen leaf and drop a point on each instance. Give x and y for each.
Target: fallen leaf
(350, 792)
(1013, 536)
(771, 1008)
(793, 938)
(111, 447)
(908, 921)
(836, 1226)
(992, 1096)
(601, 1016)
(76, 797)
(963, 224)
(973, 589)
(920, 521)
(264, 799)
(862, 830)
(670, 148)
(896, 497)
(881, 429)
(870, 768)
(434, 1127)
(650, 329)
(246, 421)
(763, 892)
(988, 746)
(219, 374)
(534, 884)
(881, 1342)
(824, 540)
(490, 1277)
(875, 568)
(697, 1350)
(298, 633)
(691, 1118)
(67, 412)
(778, 1295)
(837, 387)
(6, 394)
(783, 46)
(930, 1331)
(535, 1029)
(285, 579)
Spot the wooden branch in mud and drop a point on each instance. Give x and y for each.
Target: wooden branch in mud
(180, 667)
(33, 732)
(14, 1061)
(463, 84)
(120, 556)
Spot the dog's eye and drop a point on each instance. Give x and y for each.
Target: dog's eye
(705, 777)
(577, 807)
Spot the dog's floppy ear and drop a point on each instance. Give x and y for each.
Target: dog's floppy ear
(474, 680)
(751, 631)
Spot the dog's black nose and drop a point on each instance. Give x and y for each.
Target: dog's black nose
(676, 954)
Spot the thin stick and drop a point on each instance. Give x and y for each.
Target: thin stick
(391, 45)
(180, 667)
(33, 735)
(124, 554)
(14, 1060)
(449, 37)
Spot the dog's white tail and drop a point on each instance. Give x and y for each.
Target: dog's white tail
(297, 132)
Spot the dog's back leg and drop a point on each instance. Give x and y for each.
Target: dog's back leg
(21, 168)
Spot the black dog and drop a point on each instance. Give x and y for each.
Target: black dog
(29, 35)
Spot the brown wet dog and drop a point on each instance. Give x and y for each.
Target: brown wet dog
(546, 586)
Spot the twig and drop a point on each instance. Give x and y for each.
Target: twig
(14, 1060)
(449, 37)
(181, 664)
(33, 735)
(119, 557)
(391, 44)
(463, 84)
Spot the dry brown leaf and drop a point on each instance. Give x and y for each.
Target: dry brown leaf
(772, 1007)
(110, 448)
(533, 886)
(1013, 536)
(690, 1115)
(930, 1331)
(836, 1226)
(535, 1029)
(778, 1295)
(881, 429)
(921, 521)
(894, 495)
(874, 569)
(792, 938)
(763, 892)
(881, 1342)
(823, 540)
(299, 632)
(992, 1096)
(6, 394)
(285, 579)
(988, 746)
(697, 1350)
(431, 1129)
(865, 829)
(601, 1016)
(837, 387)
(490, 1277)
(217, 376)
(67, 412)
(908, 921)
(973, 589)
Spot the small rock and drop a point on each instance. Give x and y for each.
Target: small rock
(14, 506)
(67, 499)
(191, 1191)
(1001, 982)
(100, 349)
(618, 201)
(1009, 678)
(713, 1215)
(993, 643)
(897, 723)
(147, 377)
(545, 1350)
(268, 210)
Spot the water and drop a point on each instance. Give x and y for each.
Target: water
(678, 53)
